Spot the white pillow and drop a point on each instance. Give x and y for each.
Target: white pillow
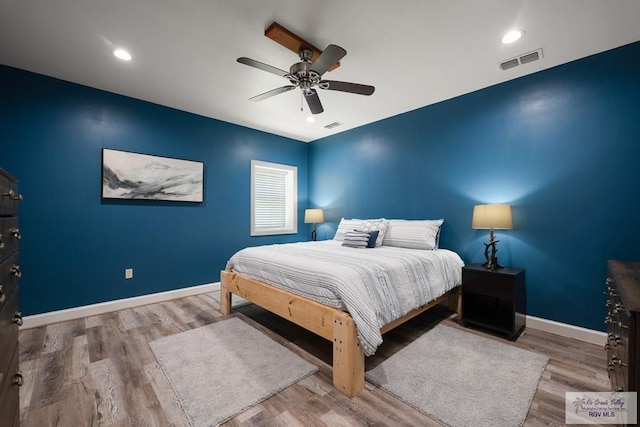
(347, 225)
(413, 234)
(380, 225)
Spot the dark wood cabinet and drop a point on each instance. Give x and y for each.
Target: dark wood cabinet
(495, 300)
(623, 329)
(10, 319)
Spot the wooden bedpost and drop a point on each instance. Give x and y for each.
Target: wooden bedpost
(348, 357)
(225, 295)
(455, 301)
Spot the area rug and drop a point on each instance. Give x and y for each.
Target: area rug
(461, 379)
(222, 369)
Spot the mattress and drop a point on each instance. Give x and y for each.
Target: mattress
(375, 285)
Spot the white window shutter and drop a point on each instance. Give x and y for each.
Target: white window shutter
(273, 198)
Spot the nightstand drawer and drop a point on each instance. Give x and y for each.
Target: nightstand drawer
(488, 285)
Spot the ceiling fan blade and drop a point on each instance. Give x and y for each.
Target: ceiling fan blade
(262, 66)
(313, 100)
(347, 87)
(272, 92)
(329, 56)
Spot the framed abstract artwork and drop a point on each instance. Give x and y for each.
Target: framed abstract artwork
(137, 176)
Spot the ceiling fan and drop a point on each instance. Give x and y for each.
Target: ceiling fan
(306, 75)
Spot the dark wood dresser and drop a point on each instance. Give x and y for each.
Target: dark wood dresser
(623, 328)
(10, 319)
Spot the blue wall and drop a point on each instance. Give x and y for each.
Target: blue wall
(76, 246)
(562, 146)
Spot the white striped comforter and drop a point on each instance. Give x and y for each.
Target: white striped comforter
(376, 286)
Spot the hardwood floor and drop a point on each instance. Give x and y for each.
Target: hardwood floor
(100, 371)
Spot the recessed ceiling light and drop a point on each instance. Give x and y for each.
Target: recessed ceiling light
(512, 36)
(122, 54)
(311, 119)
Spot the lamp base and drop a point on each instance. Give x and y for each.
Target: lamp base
(314, 234)
(492, 264)
(492, 260)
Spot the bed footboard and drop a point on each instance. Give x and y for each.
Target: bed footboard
(328, 322)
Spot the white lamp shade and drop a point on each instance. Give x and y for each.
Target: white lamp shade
(496, 216)
(314, 216)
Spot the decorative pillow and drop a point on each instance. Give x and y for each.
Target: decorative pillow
(379, 225)
(413, 234)
(347, 225)
(356, 239)
(373, 237)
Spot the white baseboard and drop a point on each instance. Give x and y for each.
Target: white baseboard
(553, 327)
(109, 306)
(566, 330)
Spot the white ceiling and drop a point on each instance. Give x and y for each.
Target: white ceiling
(415, 52)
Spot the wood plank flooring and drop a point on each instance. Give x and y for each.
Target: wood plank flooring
(100, 371)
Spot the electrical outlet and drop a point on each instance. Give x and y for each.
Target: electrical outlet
(128, 273)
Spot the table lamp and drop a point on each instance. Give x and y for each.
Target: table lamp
(313, 216)
(496, 216)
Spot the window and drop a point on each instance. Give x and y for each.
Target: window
(274, 198)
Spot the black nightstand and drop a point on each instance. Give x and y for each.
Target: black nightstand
(494, 299)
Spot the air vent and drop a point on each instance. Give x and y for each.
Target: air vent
(333, 125)
(529, 57)
(521, 60)
(510, 64)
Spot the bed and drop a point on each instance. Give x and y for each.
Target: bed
(348, 295)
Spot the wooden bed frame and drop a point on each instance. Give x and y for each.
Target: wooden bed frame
(328, 322)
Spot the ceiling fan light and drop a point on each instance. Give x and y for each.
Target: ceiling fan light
(122, 54)
(512, 36)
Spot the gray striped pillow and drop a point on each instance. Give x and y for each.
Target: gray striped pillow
(413, 234)
(356, 239)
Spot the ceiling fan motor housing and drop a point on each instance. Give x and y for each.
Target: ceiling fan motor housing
(300, 69)
(301, 75)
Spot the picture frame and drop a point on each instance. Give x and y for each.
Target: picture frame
(135, 176)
